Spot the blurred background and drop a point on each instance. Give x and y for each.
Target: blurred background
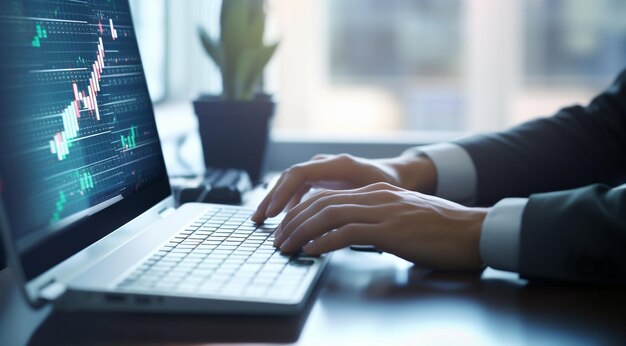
(399, 68)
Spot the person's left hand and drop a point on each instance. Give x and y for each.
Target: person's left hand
(423, 229)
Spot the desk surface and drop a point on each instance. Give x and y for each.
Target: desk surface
(363, 298)
(366, 298)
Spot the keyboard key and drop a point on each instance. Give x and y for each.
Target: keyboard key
(182, 250)
(295, 269)
(223, 272)
(202, 272)
(273, 267)
(233, 241)
(263, 281)
(250, 267)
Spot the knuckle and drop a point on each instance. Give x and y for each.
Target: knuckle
(324, 199)
(319, 156)
(331, 211)
(345, 157)
(295, 169)
(317, 195)
(384, 195)
(382, 185)
(391, 195)
(290, 215)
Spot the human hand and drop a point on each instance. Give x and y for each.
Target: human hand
(423, 229)
(338, 172)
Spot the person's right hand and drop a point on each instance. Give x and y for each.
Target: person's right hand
(345, 172)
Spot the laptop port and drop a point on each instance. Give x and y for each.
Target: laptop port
(143, 300)
(115, 298)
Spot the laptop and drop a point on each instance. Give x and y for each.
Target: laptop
(86, 209)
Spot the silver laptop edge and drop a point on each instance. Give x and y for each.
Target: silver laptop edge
(52, 283)
(86, 280)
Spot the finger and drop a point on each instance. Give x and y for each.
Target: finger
(259, 214)
(297, 197)
(322, 169)
(293, 212)
(313, 205)
(379, 198)
(352, 234)
(295, 178)
(328, 219)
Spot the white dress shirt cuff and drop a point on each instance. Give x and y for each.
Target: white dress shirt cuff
(456, 173)
(500, 235)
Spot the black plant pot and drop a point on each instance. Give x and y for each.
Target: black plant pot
(235, 134)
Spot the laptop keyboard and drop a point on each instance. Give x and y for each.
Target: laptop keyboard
(222, 253)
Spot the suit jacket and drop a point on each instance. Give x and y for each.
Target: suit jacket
(574, 225)
(2, 256)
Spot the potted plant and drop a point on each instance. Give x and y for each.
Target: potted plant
(234, 126)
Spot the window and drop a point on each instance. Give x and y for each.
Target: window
(573, 49)
(150, 25)
(364, 67)
(396, 64)
(574, 42)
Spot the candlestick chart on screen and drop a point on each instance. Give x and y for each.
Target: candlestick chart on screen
(77, 128)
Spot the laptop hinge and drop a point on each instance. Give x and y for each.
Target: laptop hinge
(52, 290)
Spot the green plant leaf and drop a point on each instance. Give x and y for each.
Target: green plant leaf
(245, 66)
(240, 52)
(211, 47)
(256, 24)
(234, 18)
(262, 57)
(234, 22)
(228, 79)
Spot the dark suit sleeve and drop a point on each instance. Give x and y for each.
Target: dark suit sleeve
(579, 232)
(2, 256)
(576, 234)
(576, 147)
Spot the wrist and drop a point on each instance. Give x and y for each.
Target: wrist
(416, 173)
(473, 226)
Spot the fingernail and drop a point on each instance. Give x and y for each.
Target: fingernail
(270, 211)
(278, 231)
(310, 246)
(278, 239)
(257, 215)
(286, 245)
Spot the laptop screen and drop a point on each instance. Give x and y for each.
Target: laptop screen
(79, 149)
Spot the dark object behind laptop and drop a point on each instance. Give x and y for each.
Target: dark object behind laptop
(225, 186)
(235, 134)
